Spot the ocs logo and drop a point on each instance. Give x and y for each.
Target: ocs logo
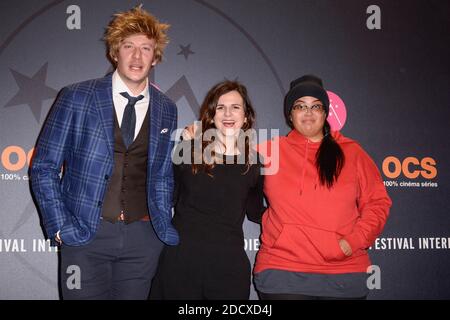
(15, 158)
(410, 167)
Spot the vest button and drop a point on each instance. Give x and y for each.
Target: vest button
(106, 177)
(99, 203)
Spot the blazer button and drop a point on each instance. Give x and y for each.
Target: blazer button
(99, 203)
(106, 177)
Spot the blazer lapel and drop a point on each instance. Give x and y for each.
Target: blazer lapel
(154, 118)
(105, 105)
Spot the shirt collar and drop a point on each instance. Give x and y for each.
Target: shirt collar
(119, 86)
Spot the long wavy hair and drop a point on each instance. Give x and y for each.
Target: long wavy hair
(207, 113)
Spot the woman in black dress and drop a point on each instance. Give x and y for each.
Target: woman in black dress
(218, 181)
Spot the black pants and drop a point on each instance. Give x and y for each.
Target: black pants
(288, 296)
(118, 264)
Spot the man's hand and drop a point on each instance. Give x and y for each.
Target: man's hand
(58, 238)
(345, 247)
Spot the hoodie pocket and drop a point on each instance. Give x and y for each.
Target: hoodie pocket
(325, 242)
(308, 245)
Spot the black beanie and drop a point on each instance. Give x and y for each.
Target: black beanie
(308, 85)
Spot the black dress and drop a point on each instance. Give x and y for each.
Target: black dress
(210, 262)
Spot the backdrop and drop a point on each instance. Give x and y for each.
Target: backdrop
(385, 64)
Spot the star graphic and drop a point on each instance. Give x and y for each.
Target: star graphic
(25, 216)
(185, 51)
(32, 91)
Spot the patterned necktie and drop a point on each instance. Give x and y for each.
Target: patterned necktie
(129, 119)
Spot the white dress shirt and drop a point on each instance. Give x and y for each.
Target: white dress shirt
(120, 102)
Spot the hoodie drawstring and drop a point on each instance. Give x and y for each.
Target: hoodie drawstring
(305, 162)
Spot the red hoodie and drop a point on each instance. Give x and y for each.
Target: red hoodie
(305, 220)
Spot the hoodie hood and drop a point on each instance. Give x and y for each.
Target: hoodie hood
(295, 137)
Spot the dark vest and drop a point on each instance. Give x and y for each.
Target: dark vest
(127, 188)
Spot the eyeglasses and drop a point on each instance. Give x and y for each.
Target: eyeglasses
(317, 108)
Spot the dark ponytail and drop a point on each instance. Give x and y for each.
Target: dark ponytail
(329, 158)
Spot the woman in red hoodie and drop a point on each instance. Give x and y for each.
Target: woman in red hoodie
(327, 205)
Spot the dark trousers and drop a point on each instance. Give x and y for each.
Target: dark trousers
(118, 264)
(288, 296)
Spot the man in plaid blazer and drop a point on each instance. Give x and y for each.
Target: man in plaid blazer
(111, 210)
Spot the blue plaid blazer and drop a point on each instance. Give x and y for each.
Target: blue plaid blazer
(79, 133)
